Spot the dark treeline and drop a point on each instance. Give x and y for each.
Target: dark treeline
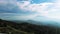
(30, 28)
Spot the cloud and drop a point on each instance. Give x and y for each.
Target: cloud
(10, 10)
(10, 6)
(38, 8)
(17, 9)
(16, 16)
(25, 17)
(7, 5)
(54, 10)
(46, 9)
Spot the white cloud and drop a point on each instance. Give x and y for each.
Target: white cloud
(15, 16)
(47, 9)
(54, 10)
(9, 5)
(50, 10)
(39, 8)
(25, 17)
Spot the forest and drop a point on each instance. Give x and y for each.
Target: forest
(11, 27)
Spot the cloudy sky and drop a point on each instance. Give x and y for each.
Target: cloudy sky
(30, 9)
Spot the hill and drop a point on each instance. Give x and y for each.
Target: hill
(26, 28)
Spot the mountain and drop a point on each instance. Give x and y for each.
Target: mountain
(26, 28)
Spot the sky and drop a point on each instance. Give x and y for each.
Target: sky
(40, 10)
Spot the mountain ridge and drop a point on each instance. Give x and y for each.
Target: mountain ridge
(28, 28)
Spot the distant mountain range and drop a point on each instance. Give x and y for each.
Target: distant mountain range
(26, 27)
(45, 23)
